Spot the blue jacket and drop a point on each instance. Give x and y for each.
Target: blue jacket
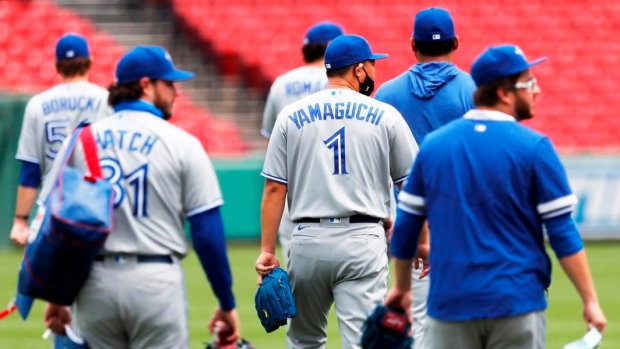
(429, 96)
(487, 184)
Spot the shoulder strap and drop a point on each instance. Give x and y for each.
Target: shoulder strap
(90, 153)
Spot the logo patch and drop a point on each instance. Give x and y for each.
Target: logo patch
(394, 321)
(480, 127)
(70, 54)
(436, 36)
(300, 228)
(334, 220)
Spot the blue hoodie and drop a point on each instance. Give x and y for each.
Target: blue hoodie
(429, 96)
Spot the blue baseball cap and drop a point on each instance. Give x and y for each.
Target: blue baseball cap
(322, 33)
(71, 46)
(433, 24)
(149, 62)
(348, 50)
(500, 61)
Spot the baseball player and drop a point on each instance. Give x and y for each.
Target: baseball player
(296, 84)
(336, 153)
(49, 117)
(487, 185)
(135, 295)
(430, 94)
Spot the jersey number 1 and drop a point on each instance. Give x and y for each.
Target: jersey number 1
(336, 142)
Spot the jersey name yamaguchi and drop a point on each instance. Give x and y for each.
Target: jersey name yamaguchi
(336, 111)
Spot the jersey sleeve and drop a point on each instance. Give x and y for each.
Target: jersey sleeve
(271, 111)
(553, 193)
(403, 149)
(200, 187)
(29, 147)
(274, 167)
(412, 198)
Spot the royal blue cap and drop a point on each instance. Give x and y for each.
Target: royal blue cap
(500, 61)
(348, 50)
(71, 46)
(151, 62)
(433, 24)
(322, 33)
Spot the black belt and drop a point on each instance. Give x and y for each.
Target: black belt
(358, 218)
(140, 259)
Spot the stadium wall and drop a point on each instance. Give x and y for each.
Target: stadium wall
(595, 179)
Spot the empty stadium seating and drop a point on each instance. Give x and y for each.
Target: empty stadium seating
(28, 34)
(577, 108)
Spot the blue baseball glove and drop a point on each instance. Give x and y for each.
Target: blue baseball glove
(387, 328)
(274, 300)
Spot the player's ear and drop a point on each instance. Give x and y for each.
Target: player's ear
(412, 43)
(359, 68)
(456, 43)
(504, 94)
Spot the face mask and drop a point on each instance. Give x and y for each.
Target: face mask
(367, 86)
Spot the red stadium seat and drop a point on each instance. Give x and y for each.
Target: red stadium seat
(578, 81)
(28, 34)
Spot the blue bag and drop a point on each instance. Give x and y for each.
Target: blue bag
(69, 230)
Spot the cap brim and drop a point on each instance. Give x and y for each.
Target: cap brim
(537, 61)
(376, 56)
(178, 75)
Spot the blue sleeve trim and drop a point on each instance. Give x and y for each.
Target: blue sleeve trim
(207, 230)
(274, 178)
(265, 133)
(563, 235)
(30, 175)
(401, 179)
(407, 229)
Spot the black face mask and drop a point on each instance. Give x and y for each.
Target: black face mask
(367, 86)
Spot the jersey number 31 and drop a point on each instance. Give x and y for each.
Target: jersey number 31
(137, 180)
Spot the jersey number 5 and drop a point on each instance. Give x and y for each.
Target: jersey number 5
(55, 134)
(336, 142)
(137, 180)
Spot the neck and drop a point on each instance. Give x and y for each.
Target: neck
(340, 82)
(500, 108)
(317, 63)
(426, 59)
(79, 78)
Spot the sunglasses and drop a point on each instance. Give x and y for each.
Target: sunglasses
(531, 85)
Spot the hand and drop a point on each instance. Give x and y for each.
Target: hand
(56, 317)
(231, 319)
(388, 226)
(593, 316)
(424, 250)
(400, 299)
(266, 262)
(19, 232)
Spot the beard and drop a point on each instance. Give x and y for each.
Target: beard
(523, 110)
(165, 107)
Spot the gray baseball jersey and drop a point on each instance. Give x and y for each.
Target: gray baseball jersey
(51, 115)
(160, 174)
(288, 88)
(336, 150)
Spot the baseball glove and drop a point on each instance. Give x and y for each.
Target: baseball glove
(387, 328)
(274, 300)
(242, 344)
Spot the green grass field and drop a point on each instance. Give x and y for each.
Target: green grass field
(564, 322)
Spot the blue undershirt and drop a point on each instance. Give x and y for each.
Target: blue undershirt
(207, 230)
(30, 175)
(138, 105)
